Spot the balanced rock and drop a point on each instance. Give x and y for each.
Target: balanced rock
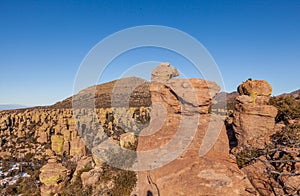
(164, 72)
(257, 90)
(254, 118)
(53, 176)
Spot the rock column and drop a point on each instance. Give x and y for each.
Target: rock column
(254, 118)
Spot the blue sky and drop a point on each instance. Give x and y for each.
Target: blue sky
(42, 43)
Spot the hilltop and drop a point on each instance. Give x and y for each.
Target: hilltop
(295, 94)
(112, 94)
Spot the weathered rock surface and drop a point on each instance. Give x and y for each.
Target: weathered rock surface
(128, 141)
(255, 87)
(216, 173)
(53, 176)
(258, 175)
(84, 162)
(174, 103)
(254, 119)
(164, 72)
(52, 137)
(78, 148)
(90, 178)
(57, 142)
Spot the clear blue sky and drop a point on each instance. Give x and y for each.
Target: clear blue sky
(42, 43)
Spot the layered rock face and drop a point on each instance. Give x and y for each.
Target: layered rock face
(254, 118)
(179, 105)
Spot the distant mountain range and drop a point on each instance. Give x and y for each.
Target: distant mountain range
(12, 106)
(295, 94)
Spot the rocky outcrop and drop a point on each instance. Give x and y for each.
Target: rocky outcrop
(254, 119)
(164, 72)
(83, 163)
(91, 178)
(57, 140)
(186, 96)
(128, 141)
(177, 106)
(78, 148)
(258, 174)
(53, 176)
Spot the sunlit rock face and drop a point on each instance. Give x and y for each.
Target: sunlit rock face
(253, 117)
(180, 106)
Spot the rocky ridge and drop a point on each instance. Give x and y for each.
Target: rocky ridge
(54, 146)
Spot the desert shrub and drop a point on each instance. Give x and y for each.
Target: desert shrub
(124, 183)
(246, 156)
(288, 107)
(28, 186)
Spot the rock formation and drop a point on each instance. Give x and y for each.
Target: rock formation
(164, 72)
(58, 145)
(254, 119)
(189, 174)
(53, 176)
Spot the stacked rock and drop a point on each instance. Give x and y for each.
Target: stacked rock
(254, 118)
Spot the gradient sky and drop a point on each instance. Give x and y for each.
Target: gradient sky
(42, 43)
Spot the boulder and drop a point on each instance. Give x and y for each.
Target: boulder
(90, 178)
(84, 162)
(53, 176)
(43, 137)
(128, 141)
(164, 72)
(186, 96)
(255, 88)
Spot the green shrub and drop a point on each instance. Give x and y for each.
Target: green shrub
(288, 107)
(247, 155)
(124, 183)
